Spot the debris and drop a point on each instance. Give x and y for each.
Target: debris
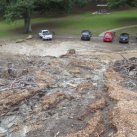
(98, 105)
(61, 97)
(52, 100)
(84, 87)
(127, 70)
(20, 40)
(71, 51)
(90, 129)
(29, 37)
(123, 115)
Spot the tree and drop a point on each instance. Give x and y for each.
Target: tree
(122, 3)
(23, 9)
(16, 9)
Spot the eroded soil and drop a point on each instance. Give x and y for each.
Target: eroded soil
(82, 94)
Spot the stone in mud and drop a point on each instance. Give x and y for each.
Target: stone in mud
(12, 72)
(132, 73)
(71, 51)
(20, 41)
(29, 37)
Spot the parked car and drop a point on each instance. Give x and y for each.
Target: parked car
(124, 38)
(45, 35)
(86, 35)
(108, 37)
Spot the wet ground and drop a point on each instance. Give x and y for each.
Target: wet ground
(48, 91)
(60, 45)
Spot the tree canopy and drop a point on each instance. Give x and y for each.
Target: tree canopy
(16, 9)
(122, 3)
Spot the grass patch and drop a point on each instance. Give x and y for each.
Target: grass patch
(73, 24)
(131, 31)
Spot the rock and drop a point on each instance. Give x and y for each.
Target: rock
(132, 73)
(3, 132)
(71, 51)
(12, 72)
(9, 121)
(20, 41)
(29, 37)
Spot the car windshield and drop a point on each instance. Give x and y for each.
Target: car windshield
(108, 35)
(85, 33)
(46, 32)
(124, 35)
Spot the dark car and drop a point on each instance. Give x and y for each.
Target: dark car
(86, 35)
(124, 38)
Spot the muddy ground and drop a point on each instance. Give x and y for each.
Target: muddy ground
(86, 92)
(60, 45)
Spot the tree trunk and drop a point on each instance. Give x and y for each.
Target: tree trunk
(27, 22)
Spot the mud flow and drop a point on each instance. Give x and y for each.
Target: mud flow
(68, 96)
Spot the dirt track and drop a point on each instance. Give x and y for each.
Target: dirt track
(116, 29)
(74, 95)
(56, 47)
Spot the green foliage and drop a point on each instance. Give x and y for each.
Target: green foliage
(15, 9)
(122, 3)
(71, 25)
(2, 7)
(18, 9)
(81, 3)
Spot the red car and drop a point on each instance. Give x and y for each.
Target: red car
(108, 37)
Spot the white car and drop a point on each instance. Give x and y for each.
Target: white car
(45, 35)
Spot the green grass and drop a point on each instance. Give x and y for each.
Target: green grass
(73, 24)
(131, 31)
